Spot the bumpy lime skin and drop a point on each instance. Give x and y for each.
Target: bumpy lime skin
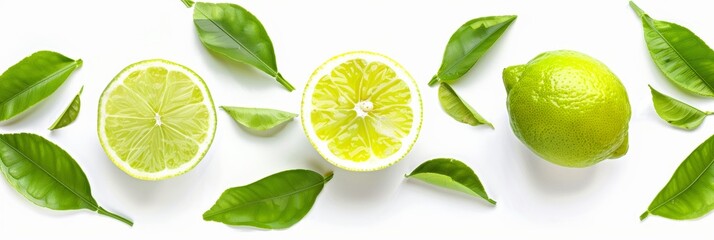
(568, 108)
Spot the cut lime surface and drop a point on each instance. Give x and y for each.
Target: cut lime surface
(361, 111)
(156, 119)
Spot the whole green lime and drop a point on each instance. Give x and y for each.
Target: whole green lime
(568, 108)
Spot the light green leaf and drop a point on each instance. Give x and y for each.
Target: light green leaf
(69, 114)
(468, 44)
(689, 193)
(452, 174)
(677, 113)
(33, 79)
(457, 108)
(258, 118)
(232, 31)
(188, 3)
(681, 55)
(274, 202)
(46, 175)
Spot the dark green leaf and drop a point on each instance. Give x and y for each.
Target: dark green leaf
(33, 79)
(689, 193)
(259, 118)
(69, 114)
(676, 112)
(683, 57)
(232, 31)
(457, 108)
(452, 174)
(468, 44)
(46, 175)
(274, 202)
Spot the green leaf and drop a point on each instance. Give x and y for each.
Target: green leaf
(259, 118)
(457, 108)
(232, 31)
(33, 79)
(683, 57)
(452, 174)
(69, 114)
(689, 193)
(46, 175)
(188, 3)
(274, 202)
(677, 113)
(468, 44)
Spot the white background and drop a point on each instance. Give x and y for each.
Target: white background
(535, 198)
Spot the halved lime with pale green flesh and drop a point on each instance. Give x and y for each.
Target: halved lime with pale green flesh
(361, 111)
(156, 119)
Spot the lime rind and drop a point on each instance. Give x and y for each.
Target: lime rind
(374, 162)
(202, 146)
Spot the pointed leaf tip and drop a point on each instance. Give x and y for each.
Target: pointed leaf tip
(263, 203)
(637, 9)
(458, 109)
(451, 174)
(468, 44)
(188, 3)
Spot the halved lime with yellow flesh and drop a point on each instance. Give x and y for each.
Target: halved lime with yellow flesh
(361, 111)
(156, 119)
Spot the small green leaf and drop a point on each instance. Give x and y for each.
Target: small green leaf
(46, 175)
(468, 44)
(452, 174)
(69, 114)
(188, 3)
(677, 113)
(274, 202)
(232, 31)
(683, 57)
(689, 193)
(258, 118)
(457, 108)
(33, 79)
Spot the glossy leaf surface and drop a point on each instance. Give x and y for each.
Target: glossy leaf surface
(70, 113)
(274, 202)
(457, 108)
(232, 31)
(468, 44)
(452, 174)
(259, 118)
(33, 79)
(46, 175)
(689, 193)
(683, 57)
(677, 113)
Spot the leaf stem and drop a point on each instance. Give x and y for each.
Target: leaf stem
(434, 80)
(637, 9)
(188, 3)
(284, 82)
(644, 215)
(104, 212)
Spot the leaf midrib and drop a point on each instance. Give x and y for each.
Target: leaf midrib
(96, 206)
(649, 22)
(460, 59)
(223, 211)
(711, 162)
(273, 72)
(47, 78)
